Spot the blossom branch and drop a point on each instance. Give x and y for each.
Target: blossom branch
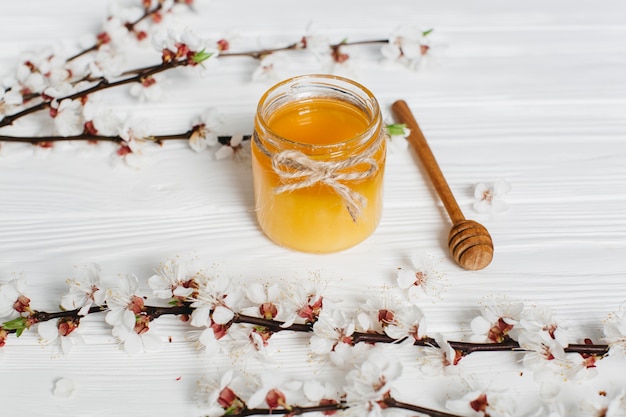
(327, 409)
(92, 138)
(331, 407)
(463, 348)
(40, 316)
(393, 403)
(103, 84)
(272, 325)
(301, 45)
(103, 38)
(89, 137)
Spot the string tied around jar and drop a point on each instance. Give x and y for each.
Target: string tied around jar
(296, 170)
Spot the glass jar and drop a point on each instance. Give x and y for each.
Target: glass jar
(318, 159)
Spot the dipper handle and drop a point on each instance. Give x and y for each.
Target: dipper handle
(469, 242)
(418, 141)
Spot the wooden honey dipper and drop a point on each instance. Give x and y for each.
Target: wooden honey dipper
(469, 242)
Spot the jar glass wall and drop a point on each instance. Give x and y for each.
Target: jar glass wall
(318, 158)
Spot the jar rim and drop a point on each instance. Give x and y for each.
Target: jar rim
(335, 82)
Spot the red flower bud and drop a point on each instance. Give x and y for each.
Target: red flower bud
(275, 398)
(22, 304)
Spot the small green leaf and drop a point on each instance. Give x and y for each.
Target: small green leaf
(201, 56)
(18, 324)
(427, 32)
(396, 129)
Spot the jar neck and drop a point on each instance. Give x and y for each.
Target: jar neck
(308, 89)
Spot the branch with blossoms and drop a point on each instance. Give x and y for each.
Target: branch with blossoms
(366, 389)
(153, 12)
(51, 72)
(206, 299)
(226, 317)
(65, 86)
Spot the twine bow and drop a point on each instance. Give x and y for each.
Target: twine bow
(297, 171)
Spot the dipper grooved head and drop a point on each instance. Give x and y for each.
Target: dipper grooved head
(470, 245)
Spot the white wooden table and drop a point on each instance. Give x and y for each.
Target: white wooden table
(531, 93)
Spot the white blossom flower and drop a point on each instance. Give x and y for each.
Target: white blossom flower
(332, 328)
(30, 79)
(440, 359)
(214, 307)
(343, 64)
(407, 45)
(114, 31)
(205, 130)
(68, 117)
(422, 278)
(135, 131)
(149, 89)
(615, 335)
(541, 319)
(542, 352)
(269, 68)
(58, 93)
(332, 339)
(122, 302)
(61, 332)
(317, 392)
(174, 38)
(10, 96)
(207, 340)
(216, 299)
(13, 300)
(130, 326)
(135, 134)
(265, 297)
(490, 197)
(60, 78)
(184, 44)
(10, 100)
(108, 63)
(136, 342)
(371, 382)
(172, 279)
(379, 311)
(101, 119)
(547, 361)
(408, 322)
(581, 367)
(318, 45)
(303, 301)
(84, 291)
(275, 391)
(233, 148)
(217, 396)
(481, 401)
(609, 403)
(497, 322)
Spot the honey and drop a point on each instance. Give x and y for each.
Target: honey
(318, 156)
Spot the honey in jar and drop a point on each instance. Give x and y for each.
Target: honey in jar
(318, 158)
